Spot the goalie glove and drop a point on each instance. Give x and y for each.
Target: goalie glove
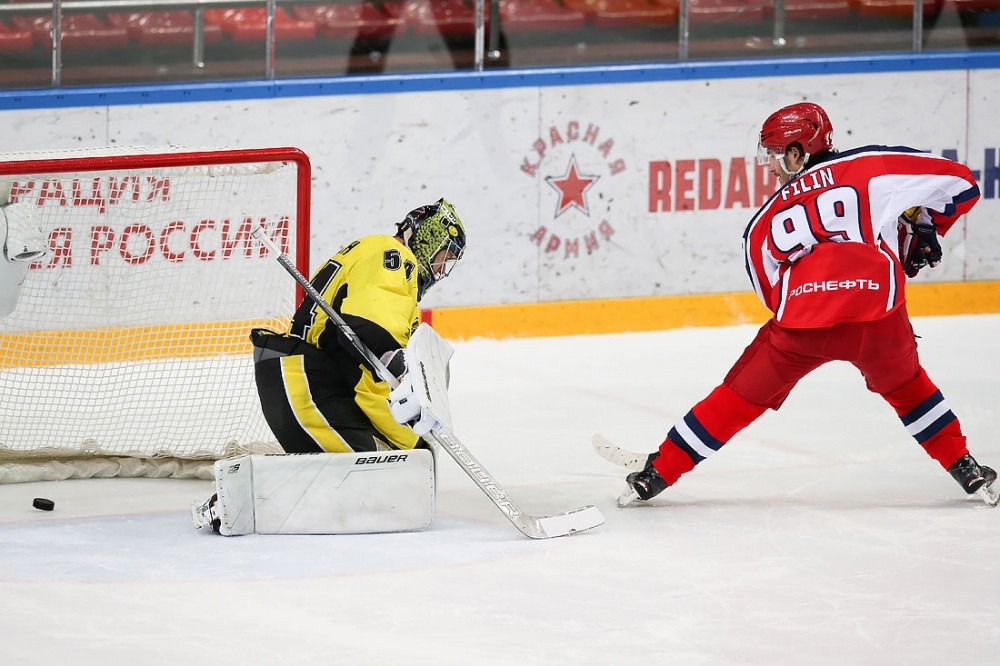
(918, 241)
(403, 403)
(421, 399)
(407, 410)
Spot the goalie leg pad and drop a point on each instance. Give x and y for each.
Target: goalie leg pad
(325, 493)
(234, 490)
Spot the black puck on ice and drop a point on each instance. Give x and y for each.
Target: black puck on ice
(43, 504)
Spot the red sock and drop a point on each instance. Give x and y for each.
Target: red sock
(705, 429)
(926, 416)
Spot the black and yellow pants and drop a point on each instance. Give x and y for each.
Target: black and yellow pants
(308, 405)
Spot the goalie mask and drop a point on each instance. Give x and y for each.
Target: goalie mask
(436, 237)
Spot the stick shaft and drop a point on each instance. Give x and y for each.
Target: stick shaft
(531, 526)
(383, 372)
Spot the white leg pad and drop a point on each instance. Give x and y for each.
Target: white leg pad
(325, 493)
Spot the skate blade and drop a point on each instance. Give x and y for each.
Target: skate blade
(627, 498)
(990, 495)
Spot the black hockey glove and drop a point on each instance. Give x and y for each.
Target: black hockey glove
(919, 243)
(926, 250)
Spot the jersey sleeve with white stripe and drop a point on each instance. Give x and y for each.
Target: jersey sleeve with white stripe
(824, 248)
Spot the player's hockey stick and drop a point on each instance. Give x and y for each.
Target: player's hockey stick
(623, 458)
(617, 455)
(536, 527)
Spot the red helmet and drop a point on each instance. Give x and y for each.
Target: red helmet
(805, 123)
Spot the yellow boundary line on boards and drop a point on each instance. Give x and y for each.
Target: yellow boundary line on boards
(665, 312)
(106, 345)
(130, 343)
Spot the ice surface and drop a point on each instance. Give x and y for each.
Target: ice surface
(820, 535)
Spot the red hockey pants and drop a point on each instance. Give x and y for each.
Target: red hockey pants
(885, 351)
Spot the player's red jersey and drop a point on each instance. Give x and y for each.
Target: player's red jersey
(824, 249)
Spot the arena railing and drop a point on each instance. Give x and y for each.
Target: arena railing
(487, 24)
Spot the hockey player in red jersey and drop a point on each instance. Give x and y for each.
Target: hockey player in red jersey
(828, 254)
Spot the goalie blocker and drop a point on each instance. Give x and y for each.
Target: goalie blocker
(321, 493)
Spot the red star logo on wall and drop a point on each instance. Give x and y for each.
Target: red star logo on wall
(572, 188)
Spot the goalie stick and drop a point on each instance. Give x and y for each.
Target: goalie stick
(535, 527)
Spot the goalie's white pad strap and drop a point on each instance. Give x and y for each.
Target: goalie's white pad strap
(325, 493)
(427, 356)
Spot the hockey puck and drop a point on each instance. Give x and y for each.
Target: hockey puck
(43, 504)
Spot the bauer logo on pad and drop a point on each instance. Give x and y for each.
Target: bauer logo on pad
(371, 460)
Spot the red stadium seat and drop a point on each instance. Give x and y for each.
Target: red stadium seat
(429, 17)
(162, 28)
(702, 12)
(540, 15)
(891, 8)
(78, 30)
(350, 21)
(12, 40)
(250, 24)
(812, 10)
(904, 8)
(626, 13)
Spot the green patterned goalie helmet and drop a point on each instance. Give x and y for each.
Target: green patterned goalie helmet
(437, 238)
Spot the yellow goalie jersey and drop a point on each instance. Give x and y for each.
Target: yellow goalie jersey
(372, 284)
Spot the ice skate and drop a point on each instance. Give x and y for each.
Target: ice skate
(203, 514)
(643, 485)
(976, 479)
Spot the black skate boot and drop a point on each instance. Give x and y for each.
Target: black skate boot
(644, 484)
(204, 514)
(976, 479)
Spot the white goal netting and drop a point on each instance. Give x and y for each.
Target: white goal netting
(124, 350)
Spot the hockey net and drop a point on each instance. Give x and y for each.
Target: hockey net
(125, 350)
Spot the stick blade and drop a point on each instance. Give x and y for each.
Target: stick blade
(616, 455)
(562, 524)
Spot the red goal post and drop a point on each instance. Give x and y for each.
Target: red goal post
(124, 350)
